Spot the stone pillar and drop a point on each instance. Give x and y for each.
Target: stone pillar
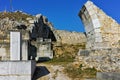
(24, 50)
(15, 45)
(91, 21)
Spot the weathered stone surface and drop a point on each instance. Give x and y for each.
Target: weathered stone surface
(44, 49)
(25, 50)
(108, 76)
(40, 21)
(17, 70)
(15, 46)
(102, 31)
(70, 37)
(32, 28)
(105, 60)
(83, 52)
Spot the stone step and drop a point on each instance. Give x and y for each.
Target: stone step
(91, 79)
(108, 76)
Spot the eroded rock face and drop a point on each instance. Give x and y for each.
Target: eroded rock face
(102, 31)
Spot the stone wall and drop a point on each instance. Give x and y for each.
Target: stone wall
(104, 60)
(67, 37)
(102, 31)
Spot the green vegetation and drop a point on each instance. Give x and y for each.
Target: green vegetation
(62, 60)
(66, 53)
(68, 50)
(80, 73)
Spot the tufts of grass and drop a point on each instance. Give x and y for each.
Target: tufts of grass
(62, 60)
(66, 53)
(66, 58)
(80, 73)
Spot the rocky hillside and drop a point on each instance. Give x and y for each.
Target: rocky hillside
(11, 21)
(17, 20)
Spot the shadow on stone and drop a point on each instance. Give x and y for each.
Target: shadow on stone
(43, 59)
(32, 51)
(84, 53)
(40, 72)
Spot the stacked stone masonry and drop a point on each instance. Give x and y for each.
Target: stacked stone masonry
(105, 60)
(67, 37)
(102, 31)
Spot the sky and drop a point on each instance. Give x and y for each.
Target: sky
(62, 13)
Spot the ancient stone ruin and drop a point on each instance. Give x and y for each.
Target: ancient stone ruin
(17, 68)
(102, 31)
(36, 36)
(24, 40)
(32, 37)
(103, 40)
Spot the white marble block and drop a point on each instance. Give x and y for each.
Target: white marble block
(17, 70)
(15, 46)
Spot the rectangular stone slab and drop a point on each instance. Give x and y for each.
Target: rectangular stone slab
(15, 45)
(17, 70)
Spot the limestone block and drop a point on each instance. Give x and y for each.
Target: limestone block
(97, 30)
(45, 53)
(91, 11)
(28, 18)
(24, 50)
(15, 77)
(94, 17)
(108, 76)
(97, 34)
(98, 39)
(31, 21)
(88, 45)
(88, 4)
(3, 52)
(101, 45)
(89, 28)
(17, 70)
(48, 54)
(96, 23)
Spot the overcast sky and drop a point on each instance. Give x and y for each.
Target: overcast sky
(62, 13)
